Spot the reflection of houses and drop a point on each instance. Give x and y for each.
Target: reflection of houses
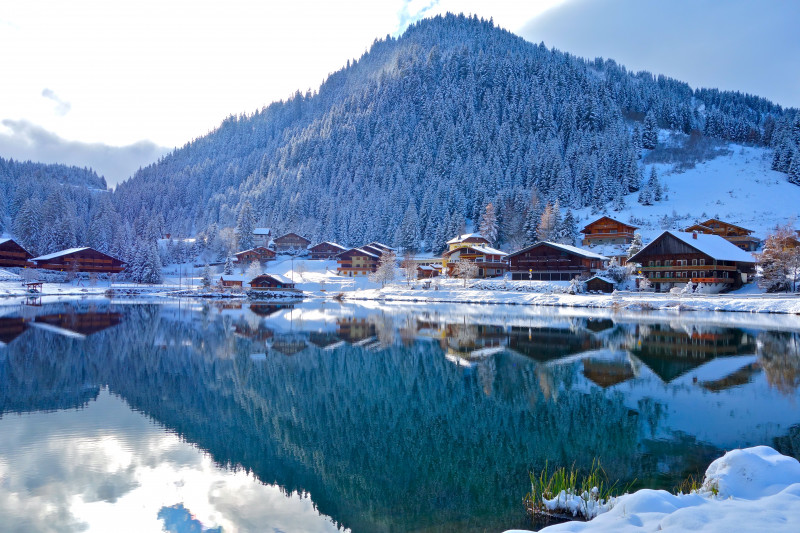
(324, 340)
(675, 258)
(607, 373)
(289, 344)
(741, 237)
(290, 242)
(546, 344)
(13, 255)
(79, 260)
(606, 230)
(77, 324)
(490, 261)
(354, 330)
(261, 254)
(11, 328)
(326, 250)
(472, 342)
(550, 261)
(729, 380)
(265, 310)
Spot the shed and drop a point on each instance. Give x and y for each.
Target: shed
(600, 283)
(272, 282)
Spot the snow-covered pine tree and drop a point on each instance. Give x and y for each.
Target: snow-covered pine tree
(636, 244)
(654, 185)
(568, 229)
(650, 133)
(245, 224)
(228, 269)
(407, 236)
(205, 278)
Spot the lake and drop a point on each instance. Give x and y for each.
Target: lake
(326, 416)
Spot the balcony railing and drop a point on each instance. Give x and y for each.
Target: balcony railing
(673, 268)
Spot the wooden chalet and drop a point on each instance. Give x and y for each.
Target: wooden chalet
(272, 282)
(79, 260)
(491, 262)
(230, 282)
(741, 237)
(290, 242)
(468, 239)
(606, 230)
(326, 250)
(675, 258)
(551, 261)
(262, 236)
(13, 255)
(261, 254)
(599, 284)
(357, 262)
(428, 271)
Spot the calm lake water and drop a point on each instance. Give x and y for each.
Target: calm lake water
(326, 416)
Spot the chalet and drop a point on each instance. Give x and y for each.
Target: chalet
(262, 236)
(230, 282)
(79, 260)
(490, 261)
(428, 271)
(272, 282)
(357, 262)
(468, 239)
(551, 261)
(599, 284)
(13, 255)
(326, 250)
(741, 237)
(261, 254)
(290, 242)
(606, 230)
(675, 258)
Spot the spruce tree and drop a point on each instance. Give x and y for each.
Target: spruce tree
(650, 133)
(244, 226)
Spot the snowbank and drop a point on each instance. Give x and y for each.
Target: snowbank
(754, 489)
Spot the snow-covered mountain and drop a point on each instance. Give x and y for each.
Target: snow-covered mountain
(455, 114)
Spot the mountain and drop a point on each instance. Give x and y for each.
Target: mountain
(412, 141)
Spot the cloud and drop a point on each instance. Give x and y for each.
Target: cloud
(24, 140)
(62, 107)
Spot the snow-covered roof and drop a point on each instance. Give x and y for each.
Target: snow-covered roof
(3, 241)
(379, 245)
(262, 231)
(602, 278)
(62, 253)
(462, 238)
(279, 278)
(429, 267)
(330, 243)
(488, 250)
(712, 245)
(232, 277)
(361, 250)
(567, 248)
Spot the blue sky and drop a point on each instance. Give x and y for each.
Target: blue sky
(113, 85)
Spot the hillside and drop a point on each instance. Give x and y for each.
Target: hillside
(411, 142)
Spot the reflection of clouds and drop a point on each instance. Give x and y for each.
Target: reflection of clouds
(105, 468)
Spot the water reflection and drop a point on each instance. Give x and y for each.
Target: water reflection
(401, 420)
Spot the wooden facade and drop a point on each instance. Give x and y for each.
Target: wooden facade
(491, 263)
(261, 254)
(599, 284)
(79, 260)
(272, 282)
(468, 239)
(676, 258)
(230, 282)
(427, 271)
(549, 261)
(326, 250)
(13, 255)
(261, 236)
(741, 237)
(357, 262)
(606, 230)
(290, 242)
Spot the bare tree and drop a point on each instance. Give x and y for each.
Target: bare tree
(386, 267)
(409, 267)
(465, 270)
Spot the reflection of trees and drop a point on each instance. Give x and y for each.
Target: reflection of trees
(779, 355)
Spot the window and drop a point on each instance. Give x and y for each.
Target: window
(702, 262)
(694, 274)
(658, 262)
(650, 263)
(694, 262)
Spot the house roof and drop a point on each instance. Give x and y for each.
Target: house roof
(289, 235)
(262, 231)
(566, 247)
(254, 249)
(487, 250)
(707, 223)
(330, 243)
(3, 241)
(277, 277)
(602, 278)
(713, 246)
(376, 244)
(608, 218)
(62, 253)
(428, 267)
(462, 238)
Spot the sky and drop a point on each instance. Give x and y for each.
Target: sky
(114, 85)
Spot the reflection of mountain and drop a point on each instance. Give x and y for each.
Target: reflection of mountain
(392, 441)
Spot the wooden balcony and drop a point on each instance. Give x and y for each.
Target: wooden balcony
(674, 268)
(669, 280)
(712, 280)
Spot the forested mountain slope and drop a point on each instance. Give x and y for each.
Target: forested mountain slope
(415, 138)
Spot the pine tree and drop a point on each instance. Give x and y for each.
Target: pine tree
(636, 245)
(654, 185)
(228, 269)
(407, 235)
(650, 133)
(547, 225)
(568, 230)
(488, 224)
(206, 276)
(245, 225)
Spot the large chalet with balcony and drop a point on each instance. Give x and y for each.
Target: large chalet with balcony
(13, 255)
(357, 262)
(79, 260)
(259, 253)
(290, 242)
(326, 250)
(491, 262)
(676, 258)
(551, 261)
(741, 237)
(606, 230)
(468, 239)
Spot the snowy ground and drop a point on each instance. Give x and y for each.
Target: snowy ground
(754, 489)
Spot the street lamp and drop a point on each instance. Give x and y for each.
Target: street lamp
(530, 277)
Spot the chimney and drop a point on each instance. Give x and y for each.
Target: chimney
(694, 235)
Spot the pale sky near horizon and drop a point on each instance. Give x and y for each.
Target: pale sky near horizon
(112, 84)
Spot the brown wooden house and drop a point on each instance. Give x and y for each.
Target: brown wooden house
(290, 242)
(468, 239)
(675, 258)
(326, 250)
(741, 237)
(261, 254)
(357, 262)
(600, 284)
(272, 282)
(79, 260)
(13, 255)
(491, 262)
(428, 271)
(230, 282)
(261, 236)
(606, 230)
(550, 261)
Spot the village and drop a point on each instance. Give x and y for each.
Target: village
(708, 257)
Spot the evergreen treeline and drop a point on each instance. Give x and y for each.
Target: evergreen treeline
(433, 126)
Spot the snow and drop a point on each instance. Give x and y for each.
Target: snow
(59, 254)
(714, 246)
(566, 247)
(752, 489)
(462, 238)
